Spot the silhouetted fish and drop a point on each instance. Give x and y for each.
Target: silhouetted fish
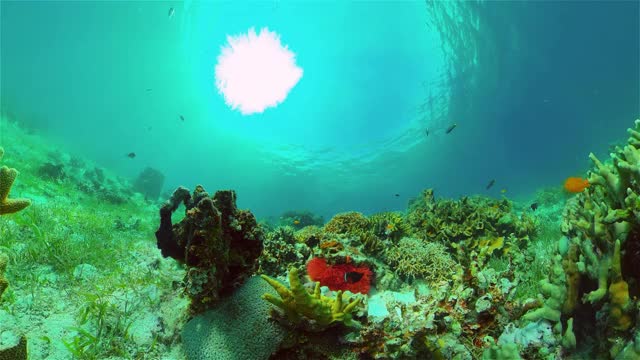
(131, 155)
(450, 128)
(427, 132)
(396, 195)
(493, 181)
(352, 277)
(534, 206)
(181, 117)
(172, 12)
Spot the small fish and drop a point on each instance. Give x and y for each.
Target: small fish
(450, 128)
(396, 195)
(149, 128)
(493, 181)
(148, 89)
(172, 12)
(131, 155)
(427, 132)
(503, 191)
(352, 277)
(182, 118)
(296, 222)
(534, 206)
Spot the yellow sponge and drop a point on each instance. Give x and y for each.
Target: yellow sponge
(298, 304)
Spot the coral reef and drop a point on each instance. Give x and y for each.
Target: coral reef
(7, 177)
(347, 223)
(415, 259)
(388, 226)
(219, 243)
(450, 221)
(299, 219)
(594, 276)
(281, 251)
(312, 311)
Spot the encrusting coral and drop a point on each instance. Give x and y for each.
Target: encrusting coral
(312, 310)
(7, 177)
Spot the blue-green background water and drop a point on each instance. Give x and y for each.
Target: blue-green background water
(533, 86)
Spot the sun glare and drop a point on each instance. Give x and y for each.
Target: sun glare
(255, 71)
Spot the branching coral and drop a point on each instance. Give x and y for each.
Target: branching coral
(414, 258)
(602, 224)
(7, 177)
(312, 310)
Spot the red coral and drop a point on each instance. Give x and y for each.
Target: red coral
(356, 279)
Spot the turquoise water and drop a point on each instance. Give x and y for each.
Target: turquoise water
(369, 104)
(533, 87)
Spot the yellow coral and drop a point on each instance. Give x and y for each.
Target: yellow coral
(298, 304)
(7, 177)
(619, 294)
(351, 223)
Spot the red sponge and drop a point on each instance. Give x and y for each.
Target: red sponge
(356, 279)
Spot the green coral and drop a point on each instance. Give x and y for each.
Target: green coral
(468, 218)
(7, 177)
(555, 292)
(504, 352)
(389, 225)
(299, 306)
(348, 223)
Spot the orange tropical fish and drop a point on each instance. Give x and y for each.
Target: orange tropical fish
(576, 184)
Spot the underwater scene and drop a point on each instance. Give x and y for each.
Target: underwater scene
(331, 180)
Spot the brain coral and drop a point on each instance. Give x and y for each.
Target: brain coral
(239, 328)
